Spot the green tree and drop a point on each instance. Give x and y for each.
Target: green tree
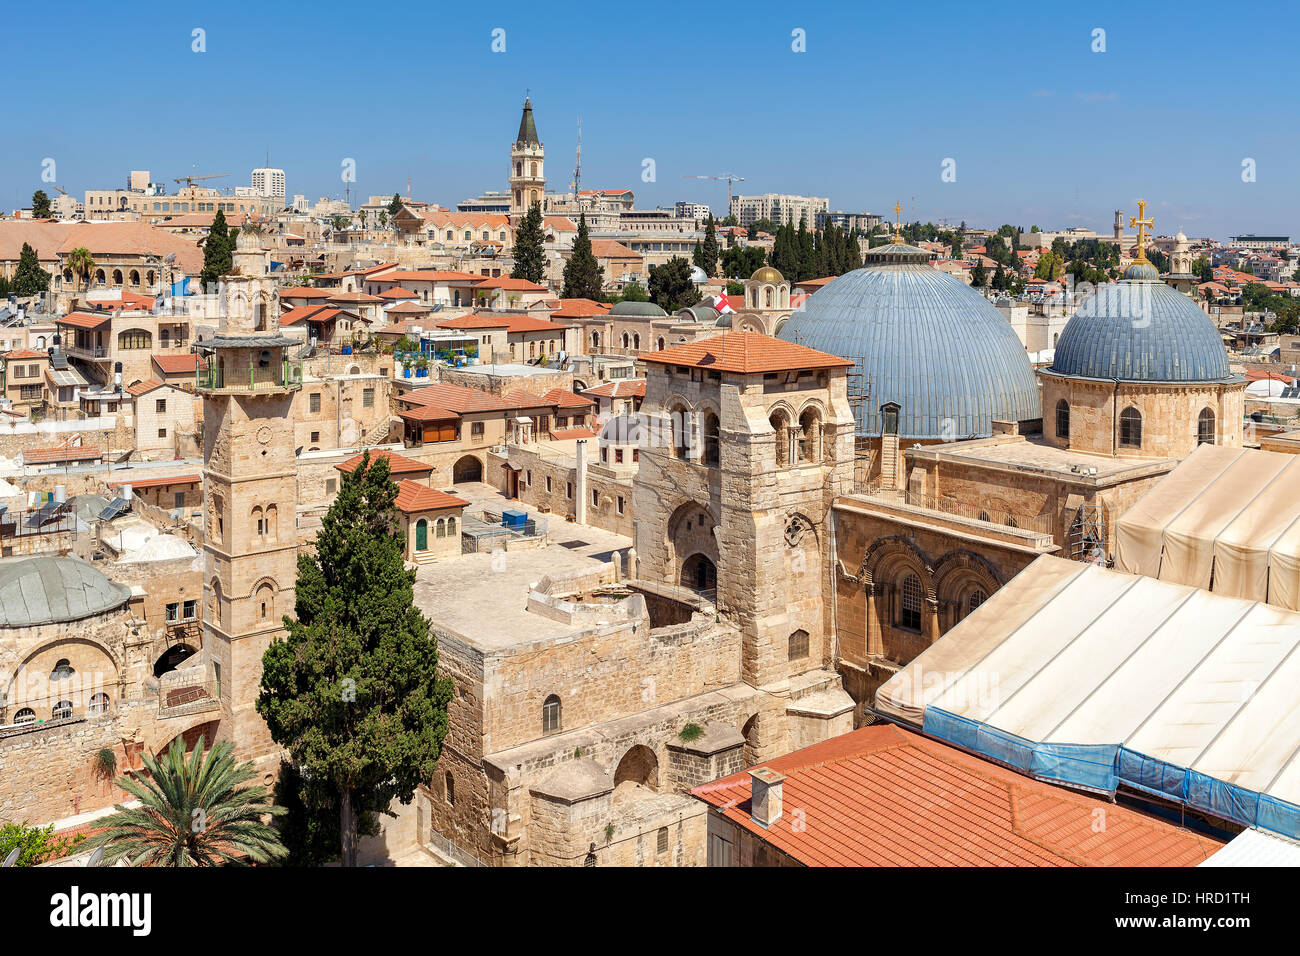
(353, 690)
(29, 277)
(979, 276)
(584, 278)
(35, 845)
(194, 811)
(671, 287)
(340, 222)
(1049, 266)
(40, 205)
(1000, 278)
(634, 292)
(218, 249)
(530, 257)
(706, 253)
(309, 828)
(394, 204)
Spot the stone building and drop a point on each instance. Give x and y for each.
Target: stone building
(527, 175)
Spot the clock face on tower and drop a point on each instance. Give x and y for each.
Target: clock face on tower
(264, 434)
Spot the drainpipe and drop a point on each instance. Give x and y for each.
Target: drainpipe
(580, 484)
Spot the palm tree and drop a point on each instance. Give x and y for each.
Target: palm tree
(81, 262)
(192, 813)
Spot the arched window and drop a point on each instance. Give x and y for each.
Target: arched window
(975, 599)
(551, 715)
(440, 528)
(595, 340)
(710, 439)
(661, 344)
(25, 716)
(636, 340)
(1062, 419)
(767, 298)
(99, 704)
(681, 425)
(134, 339)
(451, 527)
(810, 436)
(1130, 428)
(265, 603)
(625, 340)
(910, 604)
(798, 648)
(62, 710)
(780, 423)
(1205, 427)
(62, 670)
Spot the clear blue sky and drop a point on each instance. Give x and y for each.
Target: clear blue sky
(1043, 130)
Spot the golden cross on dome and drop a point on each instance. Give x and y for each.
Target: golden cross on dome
(898, 229)
(1142, 225)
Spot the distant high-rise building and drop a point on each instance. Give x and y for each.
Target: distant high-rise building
(269, 182)
(780, 208)
(693, 210)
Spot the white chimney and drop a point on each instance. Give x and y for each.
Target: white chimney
(765, 796)
(125, 492)
(60, 493)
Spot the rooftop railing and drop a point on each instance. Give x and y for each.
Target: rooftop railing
(286, 375)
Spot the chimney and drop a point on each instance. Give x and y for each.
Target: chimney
(765, 796)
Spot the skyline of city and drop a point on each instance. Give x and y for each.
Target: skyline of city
(1039, 131)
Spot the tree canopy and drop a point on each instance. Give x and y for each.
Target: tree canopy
(29, 277)
(40, 205)
(353, 690)
(671, 287)
(218, 249)
(530, 257)
(584, 278)
(706, 252)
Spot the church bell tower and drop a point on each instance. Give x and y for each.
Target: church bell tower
(250, 491)
(527, 177)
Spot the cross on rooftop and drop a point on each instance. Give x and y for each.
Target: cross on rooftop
(1142, 225)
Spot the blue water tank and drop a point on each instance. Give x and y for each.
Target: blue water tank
(514, 518)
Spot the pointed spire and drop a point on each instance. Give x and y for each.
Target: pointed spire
(527, 128)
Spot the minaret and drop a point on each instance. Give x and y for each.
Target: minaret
(250, 490)
(527, 177)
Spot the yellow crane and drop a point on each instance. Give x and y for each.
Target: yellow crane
(191, 180)
(731, 179)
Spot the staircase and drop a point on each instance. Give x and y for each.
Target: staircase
(425, 557)
(889, 462)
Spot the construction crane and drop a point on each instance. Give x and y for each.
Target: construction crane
(731, 179)
(191, 180)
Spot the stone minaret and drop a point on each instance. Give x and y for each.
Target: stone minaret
(250, 492)
(527, 176)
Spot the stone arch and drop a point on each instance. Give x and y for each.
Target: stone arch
(689, 532)
(887, 550)
(811, 420)
(781, 419)
(38, 682)
(468, 468)
(638, 767)
(173, 656)
(958, 575)
(117, 277)
(135, 277)
(750, 323)
(780, 323)
(208, 730)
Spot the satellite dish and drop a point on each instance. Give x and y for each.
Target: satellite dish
(95, 857)
(12, 858)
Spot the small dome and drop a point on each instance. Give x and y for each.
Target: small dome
(49, 590)
(766, 274)
(637, 308)
(1141, 269)
(698, 275)
(1180, 237)
(1141, 330)
(699, 313)
(247, 241)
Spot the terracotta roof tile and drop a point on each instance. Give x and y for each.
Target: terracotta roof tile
(60, 453)
(619, 388)
(177, 364)
(397, 464)
(143, 388)
(138, 483)
(744, 353)
(413, 496)
(882, 796)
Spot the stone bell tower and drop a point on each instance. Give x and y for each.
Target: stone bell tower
(527, 176)
(250, 491)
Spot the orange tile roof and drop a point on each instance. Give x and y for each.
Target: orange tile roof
(566, 434)
(882, 796)
(425, 275)
(26, 354)
(566, 399)
(612, 249)
(138, 483)
(397, 464)
(579, 308)
(509, 284)
(359, 297)
(619, 388)
(442, 217)
(818, 283)
(59, 453)
(397, 292)
(456, 398)
(303, 292)
(143, 388)
(413, 496)
(428, 413)
(408, 307)
(85, 320)
(562, 223)
(744, 353)
(509, 322)
(176, 364)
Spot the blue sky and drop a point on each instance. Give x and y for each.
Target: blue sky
(1042, 129)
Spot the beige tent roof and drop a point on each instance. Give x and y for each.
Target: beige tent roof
(1226, 519)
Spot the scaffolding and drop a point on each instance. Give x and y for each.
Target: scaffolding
(1087, 537)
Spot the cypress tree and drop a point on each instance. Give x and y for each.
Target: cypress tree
(217, 250)
(583, 275)
(530, 258)
(29, 277)
(706, 254)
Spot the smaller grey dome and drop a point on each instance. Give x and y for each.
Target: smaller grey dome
(637, 308)
(49, 590)
(699, 313)
(698, 275)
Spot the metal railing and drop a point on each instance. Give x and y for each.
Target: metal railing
(288, 375)
(1041, 523)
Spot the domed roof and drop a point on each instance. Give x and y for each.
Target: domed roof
(924, 340)
(766, 274)
(637, 308)
(698, 275)
(1141, 330)
(49, 590)
(698, 313)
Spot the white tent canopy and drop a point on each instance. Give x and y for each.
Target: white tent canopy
(1097, 678)
(1227, 519)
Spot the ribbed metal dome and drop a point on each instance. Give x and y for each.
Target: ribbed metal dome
(1141, 330)
(924, 340)
(50, 590)
(637, 308)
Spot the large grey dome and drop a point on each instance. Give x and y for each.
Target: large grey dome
(49, 590)
(637, 308)
(924, 340)
(1141, 330)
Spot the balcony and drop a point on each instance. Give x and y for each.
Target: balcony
(288, 376)
(91, 352)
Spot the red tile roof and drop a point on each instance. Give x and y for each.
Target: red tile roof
(397, 292)
(413, 496)
(509, 322)
(882, 796)
(85, 320)
(579, 308)
(138, 483)
(566, 434)
(510, 285)
(566, 399)
(426, 275)
(26, 354)
(612, 249)
(176, 364)
(303, 292)
(143, 388)
(357, 297)
(619, 388)
(744, 353)
(397, 464)
(428, 413)
(456, 398)
(60, 453)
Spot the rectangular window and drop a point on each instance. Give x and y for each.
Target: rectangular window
(162, 433)
(620, 504)
(476, 429)
(367, 398)
(313, 402)
(661, 843)
(568, 490)
(173, 612)
(178, 499)
(618, 456)
(315, 437)
(330, 486)
(595, 498)
(548, 484)
(191, 610)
